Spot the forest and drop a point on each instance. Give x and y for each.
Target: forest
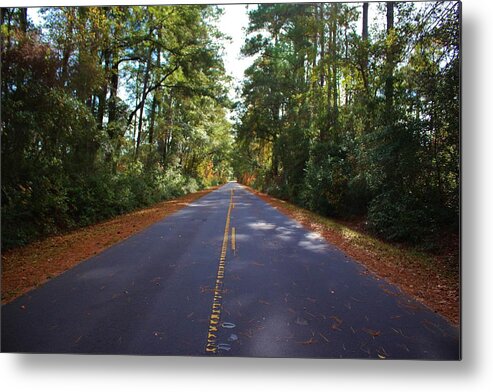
(107, 109)
(351, 110)
(356, 116)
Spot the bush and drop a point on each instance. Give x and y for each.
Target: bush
(326, 182)
(55, 203)
(401, 217)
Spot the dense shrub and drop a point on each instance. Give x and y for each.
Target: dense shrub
(50, 205)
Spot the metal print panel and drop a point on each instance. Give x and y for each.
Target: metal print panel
(264, 180)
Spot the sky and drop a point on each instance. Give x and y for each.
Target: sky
(233, 23)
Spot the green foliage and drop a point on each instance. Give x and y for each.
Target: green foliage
(401, 217)
(73, 151)
(348, 125)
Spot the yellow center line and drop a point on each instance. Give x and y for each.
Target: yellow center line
(233, 239)
(211, 346)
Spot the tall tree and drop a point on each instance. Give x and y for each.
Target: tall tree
(70, 135)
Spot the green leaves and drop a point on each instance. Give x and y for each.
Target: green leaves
(85, 148)
(347, 125)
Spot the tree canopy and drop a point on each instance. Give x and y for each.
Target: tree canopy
(105, 109)
(352, 118)
(348, 109)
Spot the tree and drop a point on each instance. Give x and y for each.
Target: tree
(69, 153)
(351, 121)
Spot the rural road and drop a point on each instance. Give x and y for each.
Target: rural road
(226, 276)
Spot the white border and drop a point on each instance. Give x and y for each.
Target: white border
(473, 373)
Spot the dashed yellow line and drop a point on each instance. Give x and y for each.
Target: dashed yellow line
(211, 346)
(233, 239)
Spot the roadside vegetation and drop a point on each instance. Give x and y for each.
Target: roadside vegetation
(352, 111)
(105, 110)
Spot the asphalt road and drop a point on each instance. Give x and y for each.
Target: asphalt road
(226, 276)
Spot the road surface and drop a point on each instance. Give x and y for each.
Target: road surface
(226, 276)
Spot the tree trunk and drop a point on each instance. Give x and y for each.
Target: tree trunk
(136, 100)
(152, 119)
(335, 89)
(67, 48)
(275, 160)
(315, 45)
(104, 92)
(322, 46)
(5, 41)
(23, 20)
(389, 82)
(364, 36)
(323, 61)
(154, 98)
(113, 92)
(346, 59)
(142, 107)
(364, 33)
(169, 131)
(115, 63)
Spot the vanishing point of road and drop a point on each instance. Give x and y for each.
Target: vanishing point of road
(228, 275)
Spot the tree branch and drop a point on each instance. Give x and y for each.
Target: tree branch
(150, 89)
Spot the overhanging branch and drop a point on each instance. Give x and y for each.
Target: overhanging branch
(149, 90)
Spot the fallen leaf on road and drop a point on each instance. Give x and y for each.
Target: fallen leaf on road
(337, 323)
(399, 332)
(382, 354)
(312, 340)
(372, 332)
